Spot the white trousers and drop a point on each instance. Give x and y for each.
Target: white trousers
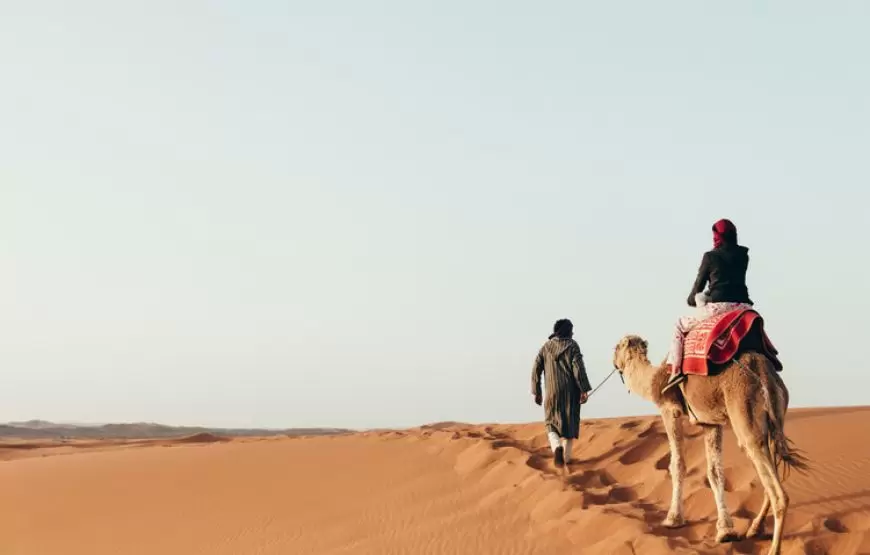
(565, 444)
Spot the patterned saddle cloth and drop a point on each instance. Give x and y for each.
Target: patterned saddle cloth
(720, 338)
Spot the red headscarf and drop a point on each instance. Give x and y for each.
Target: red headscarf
(724, 233)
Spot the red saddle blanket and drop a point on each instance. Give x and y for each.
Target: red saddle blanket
(718, 339)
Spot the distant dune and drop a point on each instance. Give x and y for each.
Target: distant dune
(447, 488)
(40, 429)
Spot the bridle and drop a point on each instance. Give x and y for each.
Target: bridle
(622, 377)
(617, 369)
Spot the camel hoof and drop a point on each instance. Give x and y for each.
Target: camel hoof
(673, 522)
(728, 536)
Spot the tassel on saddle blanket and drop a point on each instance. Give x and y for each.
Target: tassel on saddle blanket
(718, 339)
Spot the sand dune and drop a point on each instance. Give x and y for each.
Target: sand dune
(446, 488)
(41, 429)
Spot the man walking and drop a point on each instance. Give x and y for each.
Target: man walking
(567, 387)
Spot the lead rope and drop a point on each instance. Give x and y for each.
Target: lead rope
(602, 383)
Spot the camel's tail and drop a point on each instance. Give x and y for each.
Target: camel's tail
(785, 455)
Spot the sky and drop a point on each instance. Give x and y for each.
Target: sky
(369, 214)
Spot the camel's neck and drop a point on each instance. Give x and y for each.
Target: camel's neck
(644, 379)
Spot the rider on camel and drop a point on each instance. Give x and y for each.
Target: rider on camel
(724, 269)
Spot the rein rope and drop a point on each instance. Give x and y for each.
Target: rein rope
(603, 382)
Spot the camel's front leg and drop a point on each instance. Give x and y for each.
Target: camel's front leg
(672, 420)
(716, 476)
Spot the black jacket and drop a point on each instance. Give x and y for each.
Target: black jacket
(725, 269)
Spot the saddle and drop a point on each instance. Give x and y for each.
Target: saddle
(720, 339)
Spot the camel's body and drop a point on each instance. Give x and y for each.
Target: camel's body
(750, 396)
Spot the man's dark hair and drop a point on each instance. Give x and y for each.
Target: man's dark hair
(563, 329)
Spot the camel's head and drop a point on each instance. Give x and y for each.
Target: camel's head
(631, 347)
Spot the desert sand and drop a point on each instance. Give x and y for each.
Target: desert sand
(448, 488)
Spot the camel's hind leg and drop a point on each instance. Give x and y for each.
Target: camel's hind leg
(760, 456)
(757, 526)
(716, 475)
(752, 435)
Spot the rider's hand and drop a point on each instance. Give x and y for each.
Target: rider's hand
(584, 397)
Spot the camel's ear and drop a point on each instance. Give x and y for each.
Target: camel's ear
(642, 344)
(637, 342)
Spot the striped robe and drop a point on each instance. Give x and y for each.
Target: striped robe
(561, 363)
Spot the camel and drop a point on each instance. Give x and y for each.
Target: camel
(750, 395)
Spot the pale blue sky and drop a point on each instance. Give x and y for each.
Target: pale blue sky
(371, 213)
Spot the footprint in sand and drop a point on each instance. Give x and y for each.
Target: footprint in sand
(644, 449)
(664, 461)
(728, 486)
(611, 495)
(651, 431)
(539, 463)
(591, 479)
(508, 443)
(835, 525)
